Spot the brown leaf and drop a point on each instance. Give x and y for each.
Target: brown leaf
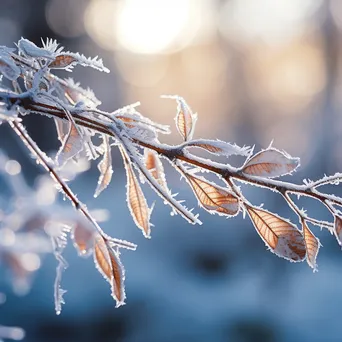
(312, 246)
(136, 200)
(62, 61)
(154, 165)
(270, 163)
(83, 238)
(185, 118)
(212, 197)
(71, 146)
(108, 263)
(338, 229)
(283, 238)
(105, 168)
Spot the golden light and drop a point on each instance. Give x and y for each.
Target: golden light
(152, 26)
(146, 27)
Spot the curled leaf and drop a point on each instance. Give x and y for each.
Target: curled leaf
(71, 146)
(212, 197)
(312, 246)
(105, 168)
(338, 229)
(154, 165)
(185, 118)
(283, 238)
(136, 200)
(108, 263)
(270, 163)
(219, 147)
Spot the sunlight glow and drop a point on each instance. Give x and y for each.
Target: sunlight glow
(151, 26)
(146, 27)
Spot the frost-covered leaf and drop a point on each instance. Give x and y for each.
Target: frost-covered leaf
(185, 118)
(282, 237)
(136, 200)
(108, 263)
(270, 163)
(71, 146)
(83, 237)
(30, 49)
(155, 166)
(105, 167)
(8, 68)
(219, 147)
(62, 62)
(312, 246)
(66, 60)
(213, 198)
(338, 229)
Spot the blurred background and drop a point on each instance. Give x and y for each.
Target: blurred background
(255, 71)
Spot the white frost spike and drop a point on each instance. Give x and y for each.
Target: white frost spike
(30, 49)
(8, 68)
(51, 46)
(185, 119)
(220, 148)
(105, 168)
(270, 163)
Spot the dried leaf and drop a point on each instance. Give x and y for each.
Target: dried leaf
(62, 62)
(185, 118)
(105, 167)
(283, 238)
(212, 197)
(338, 229)
(219, 147)
(270, 163)
(312, 246)
(154, 165)
(136, 200)
(71, 146)
(83, 238)
(108, 263)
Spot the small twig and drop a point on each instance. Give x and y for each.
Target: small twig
(44, 161)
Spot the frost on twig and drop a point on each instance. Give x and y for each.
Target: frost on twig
(79, 124)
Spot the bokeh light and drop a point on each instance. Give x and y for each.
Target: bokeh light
(271, 21)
